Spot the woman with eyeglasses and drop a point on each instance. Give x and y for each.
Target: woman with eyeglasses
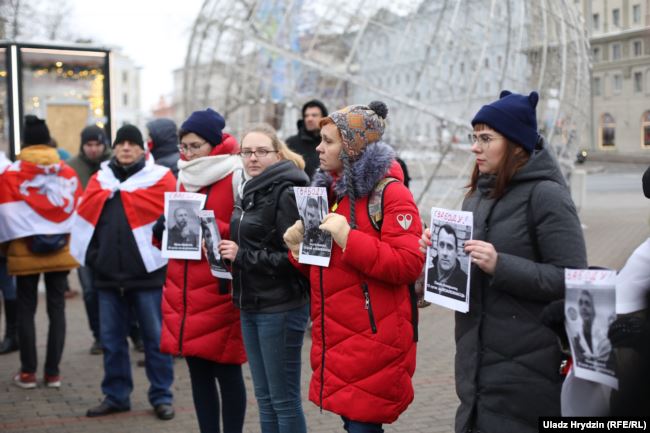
(271, 293)
(200, 322)
(526, 232)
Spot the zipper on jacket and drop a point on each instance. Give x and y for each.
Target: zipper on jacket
(322, 334)
(241, 287)
(368, 306)
(180, 335)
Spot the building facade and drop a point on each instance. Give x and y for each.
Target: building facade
(619, 33)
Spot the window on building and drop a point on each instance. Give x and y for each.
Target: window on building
(595, 53)
(645, 129)
(486, 62)
(636, 14)
(598, 91)
(125, 99)
(616, 51)
(617, 83)
(607, 133)
(616, 17)
(595, 21)
(125, 77)
(462, 67)
(637, 48)
(638, 82)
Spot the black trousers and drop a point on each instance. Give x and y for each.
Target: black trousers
(27, 300)
(209, 408)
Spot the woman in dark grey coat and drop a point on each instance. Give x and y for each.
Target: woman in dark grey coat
(526, 232)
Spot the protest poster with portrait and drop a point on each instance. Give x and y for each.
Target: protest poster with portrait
(316, 246)
(447, 266)
(182, 235)
(211, 238)
(589, 308)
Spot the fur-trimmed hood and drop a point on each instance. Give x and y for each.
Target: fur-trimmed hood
(376, 161)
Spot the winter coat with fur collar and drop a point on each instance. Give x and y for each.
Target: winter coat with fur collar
(363, 345)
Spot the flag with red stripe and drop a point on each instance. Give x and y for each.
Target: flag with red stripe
(143, 199)
(37, 199)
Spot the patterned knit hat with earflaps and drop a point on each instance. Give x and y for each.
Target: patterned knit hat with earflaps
(359, 125)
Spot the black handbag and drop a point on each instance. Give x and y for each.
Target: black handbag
(43, 244)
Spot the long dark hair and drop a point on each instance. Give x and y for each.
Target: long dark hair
(513, 159)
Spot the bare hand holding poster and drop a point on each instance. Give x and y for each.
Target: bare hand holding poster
(211, 239)
(447, 265)
(182, 235)
(589, 308)
(316, 246)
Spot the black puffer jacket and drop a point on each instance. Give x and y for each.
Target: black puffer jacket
(507, 362)
(263, 278)
(304, 143)
(113, 254)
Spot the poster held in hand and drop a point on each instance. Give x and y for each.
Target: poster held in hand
(589, 309)
(447, 278)
(212, 238)
(316, 246)
(182, 235)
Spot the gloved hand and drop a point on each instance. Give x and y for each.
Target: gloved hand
(338, 227)
(159, 228)
(630, 331)
(293, 236)
(553, 317)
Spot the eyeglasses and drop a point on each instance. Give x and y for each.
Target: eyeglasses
(483, 140)
(259, 153)
(190, 147)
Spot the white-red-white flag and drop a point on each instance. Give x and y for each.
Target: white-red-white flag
(37, 199)
(143, 198)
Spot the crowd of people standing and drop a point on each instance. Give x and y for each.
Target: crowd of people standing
(102, 213)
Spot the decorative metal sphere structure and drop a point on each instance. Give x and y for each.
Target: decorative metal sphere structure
(434, 63)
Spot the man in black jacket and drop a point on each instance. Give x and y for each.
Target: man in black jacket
(308, 136)
(446, 273)
(125, 285)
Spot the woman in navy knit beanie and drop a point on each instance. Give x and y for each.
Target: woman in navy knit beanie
(526, 232)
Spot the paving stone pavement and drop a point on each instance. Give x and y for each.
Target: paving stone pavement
(611, 236)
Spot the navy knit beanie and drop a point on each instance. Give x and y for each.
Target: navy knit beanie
(130, 133)
(513, 115)
(207, 124)
(35, 131)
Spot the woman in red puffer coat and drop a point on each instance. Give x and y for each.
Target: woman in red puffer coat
(364, 316)
(200, 321)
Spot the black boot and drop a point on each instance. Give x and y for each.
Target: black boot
(10, 343)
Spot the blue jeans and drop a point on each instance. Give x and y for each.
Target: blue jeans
(231, 407)
(361, 427)
(7, 282)
(114, 309)
(273, 344)
(90, 299)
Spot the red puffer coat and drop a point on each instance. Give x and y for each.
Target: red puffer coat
(199, 318)
(363, 348)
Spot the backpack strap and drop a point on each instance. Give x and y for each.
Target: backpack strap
(376, 202)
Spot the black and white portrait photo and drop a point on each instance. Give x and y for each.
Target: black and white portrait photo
(211, 238)
(184, 230)
(182, 237)
(316, 245)
(447, 265)
(590, 308)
